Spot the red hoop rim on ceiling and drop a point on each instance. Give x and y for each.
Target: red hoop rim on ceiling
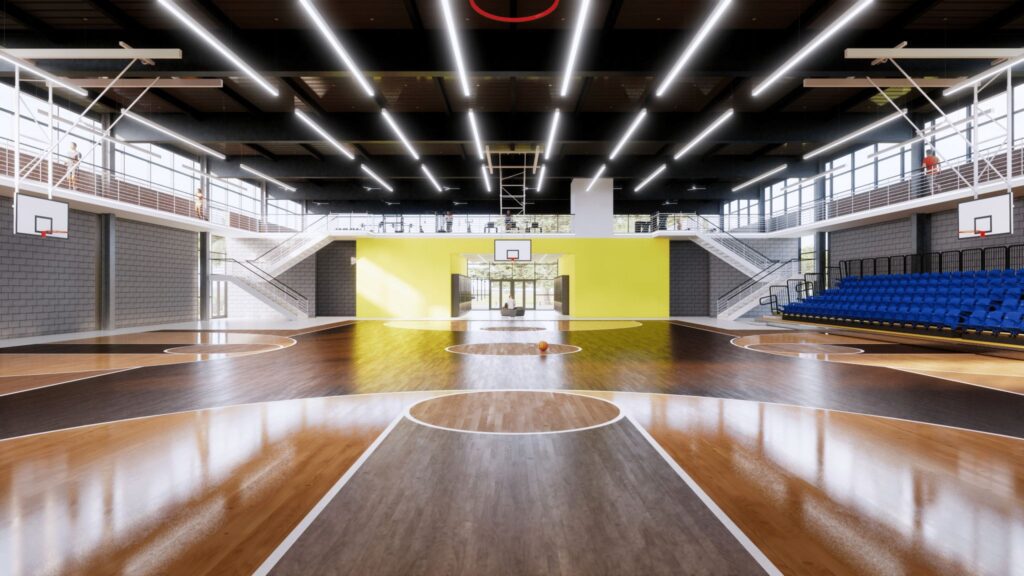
(516, 20)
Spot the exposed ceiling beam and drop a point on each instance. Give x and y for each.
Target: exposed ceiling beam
(612, 16)
(880, 82)
(261, 151)
(502, 128)
(910, 14)
(96, 53)
(932, 53)
(413, 11)
(176, 102)
(35, 24)
(742, 53)
(301, 91)
(1005, 17)
(218, 15)
(241, 100)
(138, 83)
(117, 16)
(313, 152)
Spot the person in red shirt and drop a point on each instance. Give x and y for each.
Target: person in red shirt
(930, 163)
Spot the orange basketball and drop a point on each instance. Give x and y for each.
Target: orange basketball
(542, 346)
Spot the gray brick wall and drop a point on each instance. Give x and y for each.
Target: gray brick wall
(885, 239)
(336, 280)
(157, 280)
(48, 286)
(688, 279)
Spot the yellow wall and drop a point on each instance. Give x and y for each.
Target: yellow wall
(609, 277)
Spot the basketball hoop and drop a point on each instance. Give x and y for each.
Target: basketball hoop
(978, 233)
(514, 20)
(45, 233)
(513, 259)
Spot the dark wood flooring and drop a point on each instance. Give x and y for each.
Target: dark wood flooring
(599, 502)
(371, 357)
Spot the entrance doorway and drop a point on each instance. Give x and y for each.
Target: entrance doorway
(524, 292)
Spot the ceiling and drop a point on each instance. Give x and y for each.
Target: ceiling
(516, 74)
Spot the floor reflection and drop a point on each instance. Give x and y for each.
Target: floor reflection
(832, 492)
(206, 492)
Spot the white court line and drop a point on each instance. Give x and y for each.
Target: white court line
(115, 371)
(731, 526)
(408, 413)
(312, 515)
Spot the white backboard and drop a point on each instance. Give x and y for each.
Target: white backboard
(39, 217)
(989, 215)
(521, 249)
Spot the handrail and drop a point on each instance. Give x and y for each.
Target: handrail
(1009, 257)
(792, 266)
(305, 228)
(300, 301)
(745, 247)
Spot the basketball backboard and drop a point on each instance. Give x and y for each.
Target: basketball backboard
(40, 217)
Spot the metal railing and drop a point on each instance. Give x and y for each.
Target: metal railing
(772, 275)
(264, 282)
(968, 260)
(477, 224)
(101, 182)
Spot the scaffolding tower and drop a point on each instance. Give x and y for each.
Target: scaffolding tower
(512, 167)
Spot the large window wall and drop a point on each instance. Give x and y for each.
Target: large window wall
(740, 214)
(36, 134)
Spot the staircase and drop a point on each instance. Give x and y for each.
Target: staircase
(746, 296)
(727, 247)
(297, 247)
(264, 287)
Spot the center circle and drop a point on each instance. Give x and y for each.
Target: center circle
(805, 349)
(514, 412)
(512, 349)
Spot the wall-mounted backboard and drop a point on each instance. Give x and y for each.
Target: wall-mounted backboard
(986, 217)
(40, 217)
(518, 250)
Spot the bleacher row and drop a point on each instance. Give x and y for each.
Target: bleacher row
(985, 302)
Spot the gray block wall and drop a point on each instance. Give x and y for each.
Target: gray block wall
(336, 280)
(884, 239)
(157, 275)
(688, 279)
(48, 285)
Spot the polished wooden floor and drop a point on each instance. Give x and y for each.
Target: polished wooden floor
(372, 357)
(211, 467)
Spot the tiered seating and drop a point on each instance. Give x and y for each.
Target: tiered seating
(986, 302)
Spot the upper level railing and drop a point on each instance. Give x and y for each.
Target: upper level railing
(104, 183)
(485, 224)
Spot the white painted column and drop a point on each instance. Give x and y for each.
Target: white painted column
(594, 210)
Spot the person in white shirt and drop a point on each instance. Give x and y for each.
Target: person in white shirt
(510, 303)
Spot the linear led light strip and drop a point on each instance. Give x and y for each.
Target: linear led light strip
(818, 41)
(487, 181)
(694, 44)
(183, 139)
(476, 135)
(398, 132)
(629, 133)
(814, 179)
(551, 134)
(707, 132)
(228, 183)
(944, 131)
(431, 177)
(978, 79)
(373, 175)
(540, 179)
(453, 40)
(272, 180)
(596, 176)
(323, 134)
(651, 177)
(577, 37)
(857, 134)
(328, 35)
(35, 70)
(757, 179)
(217, 45)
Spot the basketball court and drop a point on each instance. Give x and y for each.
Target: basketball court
(580, 287)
